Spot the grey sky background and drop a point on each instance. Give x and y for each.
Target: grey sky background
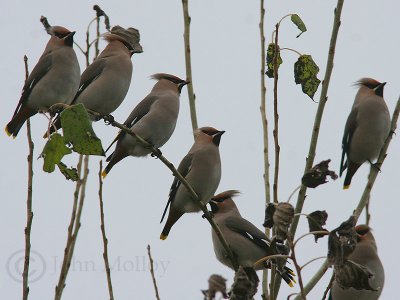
(226, 75)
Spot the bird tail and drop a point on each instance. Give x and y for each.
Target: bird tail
(288, 275)
(351, 170)
(14, 126)
(173, 216)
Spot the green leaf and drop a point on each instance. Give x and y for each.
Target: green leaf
(299, 23)
(54, 151)
(270, 60)
(305, 73)
(78, 131)
(69, 173)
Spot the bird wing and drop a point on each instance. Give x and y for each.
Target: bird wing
(349, 128)
(92, 72)
(38, 72)
(247, 230)
(183, 169)
(138, 112)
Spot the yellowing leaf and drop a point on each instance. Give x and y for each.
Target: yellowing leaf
(299, 23)
(69, 173)
(305, 73)
(54, 151)
(78, 131)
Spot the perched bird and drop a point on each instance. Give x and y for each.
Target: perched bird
(153, 119)
(105, 83)
(367, 128)
(366, 255)
(54, 79)
(248, 243)
(201, 168)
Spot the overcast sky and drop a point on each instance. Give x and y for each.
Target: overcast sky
(226, 76)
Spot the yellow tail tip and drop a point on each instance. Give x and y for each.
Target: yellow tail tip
(346, 187)
(291, 284)
(104, 174)
(163, 236)
(6, 130)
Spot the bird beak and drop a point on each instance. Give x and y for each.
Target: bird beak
(214, 206)
(181, 85)
(217, 137)
(379, 89)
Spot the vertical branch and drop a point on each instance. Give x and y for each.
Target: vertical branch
(63, 271)
(80, 191)
(29, 213)
(152, 273)
(96, 43)
(188, 60)
(276, 144)
(276, 117)
(103, 233)
(317, 122)
(318, 117)
(367, 214)
(265, 135)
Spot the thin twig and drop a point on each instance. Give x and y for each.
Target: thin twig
(63, 272)
(152, 272)
(188, 61)
(265, 136)
(318, 118)
(311, 261)
(261, 260)
(276, 117)
(297, 266)
(103, 234)
(294, 192)
(328, 287)
(324, 232)
(276, 142)
(314, 280)
(29, 213)
(365, 196)
(292, 50)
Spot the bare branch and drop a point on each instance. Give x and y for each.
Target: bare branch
(317, 121)
(29, 213)
(152, 272)
(188, 61)
(103, 234)
(265, 135)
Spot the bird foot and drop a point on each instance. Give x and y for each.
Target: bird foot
(211, 214)
(108, 119)
(375, 165)
(157, 153)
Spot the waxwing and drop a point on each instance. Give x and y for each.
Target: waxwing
(367, 128)
(153, 119)
(105, 83)
(201, 168)
(366, 255)
(54, 79)
(248, 243)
